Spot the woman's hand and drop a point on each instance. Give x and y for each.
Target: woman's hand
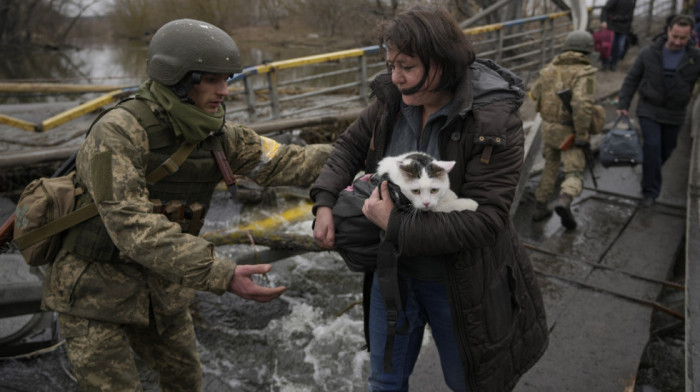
(324, 231)
(378, 210)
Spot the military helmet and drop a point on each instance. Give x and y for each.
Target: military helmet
(580, 41)
(187, 45)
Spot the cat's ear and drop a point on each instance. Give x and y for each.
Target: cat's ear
(446, 165)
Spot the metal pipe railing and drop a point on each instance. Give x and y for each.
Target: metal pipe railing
(490, 41)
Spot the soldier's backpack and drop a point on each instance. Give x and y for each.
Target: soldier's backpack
(620, 146)
(43, 201)
(46, 206)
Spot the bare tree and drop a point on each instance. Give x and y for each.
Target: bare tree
(132, 18)
(327, 14)
(16, 21)
(27, 22)
(274, 11)
(354, 17)
(81, 10)
(384, 11)
(466, 8)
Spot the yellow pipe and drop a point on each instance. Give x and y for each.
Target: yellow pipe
(483, 29)
(277, 65)
(80, 110)
(17, 123)
(293, 214)
(54, 88)
(559, 14)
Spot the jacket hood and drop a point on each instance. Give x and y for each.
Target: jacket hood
(491, 82)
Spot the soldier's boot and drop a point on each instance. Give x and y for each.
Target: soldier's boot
(541, 212)
(563, 209)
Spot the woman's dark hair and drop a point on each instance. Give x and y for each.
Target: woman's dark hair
(430, 33)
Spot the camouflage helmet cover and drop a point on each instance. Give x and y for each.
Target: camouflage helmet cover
(580, 41)
(187, 45)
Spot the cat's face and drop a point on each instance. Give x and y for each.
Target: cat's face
(424, 186)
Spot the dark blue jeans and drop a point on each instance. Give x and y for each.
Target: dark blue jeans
(426, 303)
(618, 48)
(659, 142)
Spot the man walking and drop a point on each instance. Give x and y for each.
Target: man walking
(663, 74)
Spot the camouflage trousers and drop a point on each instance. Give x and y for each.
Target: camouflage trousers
(573, 161)
(100, 353)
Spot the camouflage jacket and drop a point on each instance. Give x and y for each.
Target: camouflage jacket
(570, 70)
(159, 265)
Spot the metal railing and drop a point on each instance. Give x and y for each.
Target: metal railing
(514, 44)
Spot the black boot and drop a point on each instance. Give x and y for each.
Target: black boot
(541, 212)
(563, 209)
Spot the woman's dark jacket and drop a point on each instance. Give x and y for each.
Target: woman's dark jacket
(666, 105)
(497, 308)
(619, 15)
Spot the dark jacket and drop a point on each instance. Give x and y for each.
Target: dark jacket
(662, 104)
(496, 304)
(619, 15)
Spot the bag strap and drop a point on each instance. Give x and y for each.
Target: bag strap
(56, 226)
(390, 287)
(171, 165)
(627, 120)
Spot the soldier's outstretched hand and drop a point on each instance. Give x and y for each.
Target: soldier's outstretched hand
(243, 285)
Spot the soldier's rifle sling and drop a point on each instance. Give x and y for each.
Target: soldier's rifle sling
(226, 172)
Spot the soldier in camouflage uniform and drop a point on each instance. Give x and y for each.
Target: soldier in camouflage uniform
(124, 279)
(573, 70)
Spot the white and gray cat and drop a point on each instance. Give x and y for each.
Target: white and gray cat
(424, 181)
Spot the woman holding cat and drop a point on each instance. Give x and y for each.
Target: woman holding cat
(464, 273)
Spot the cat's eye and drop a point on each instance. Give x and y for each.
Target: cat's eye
(434, 191)
(415, 191)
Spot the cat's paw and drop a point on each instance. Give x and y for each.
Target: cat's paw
(464, 204)
(457, 205)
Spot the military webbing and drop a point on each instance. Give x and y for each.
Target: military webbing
(171, 165)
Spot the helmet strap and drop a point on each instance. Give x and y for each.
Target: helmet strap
(223, 118)
(185, 85)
